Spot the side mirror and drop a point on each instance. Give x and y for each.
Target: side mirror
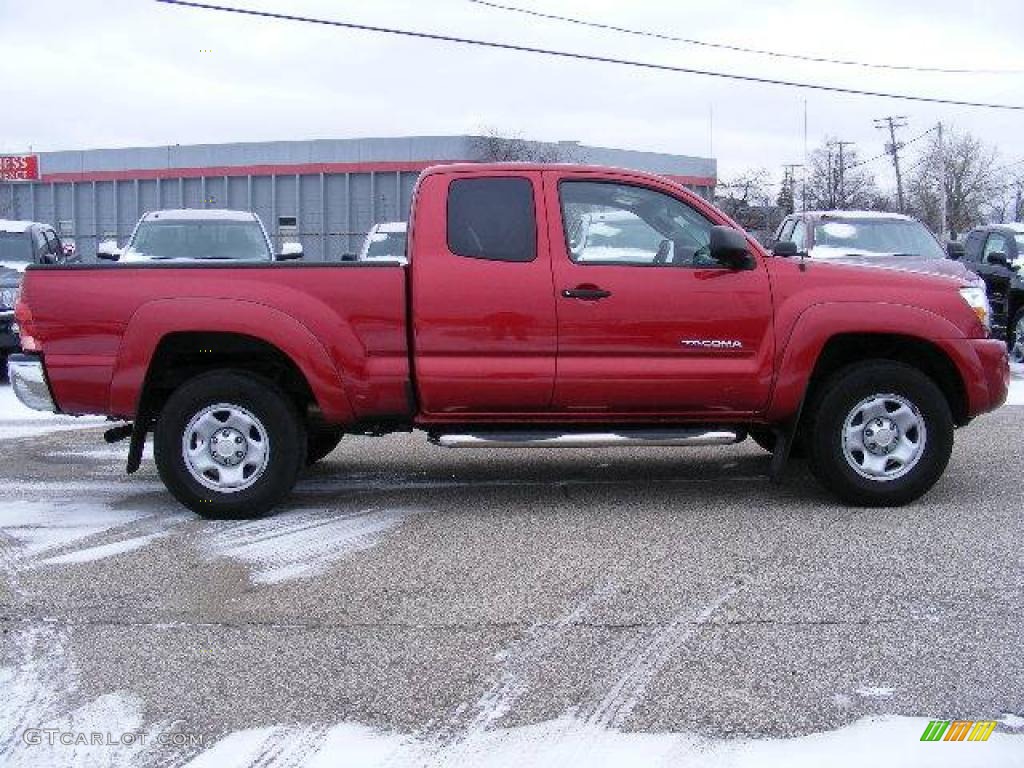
(729, 247)
(785, 248)
(998, 259)
(290, 252)
(955, 250)
(108, 251)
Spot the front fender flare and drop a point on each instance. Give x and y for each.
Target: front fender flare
(798, 354)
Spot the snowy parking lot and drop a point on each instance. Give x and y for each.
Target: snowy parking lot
(413, 606)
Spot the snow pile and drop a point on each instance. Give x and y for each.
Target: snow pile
(877, 741)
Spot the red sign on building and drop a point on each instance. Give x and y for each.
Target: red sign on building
(19, 167)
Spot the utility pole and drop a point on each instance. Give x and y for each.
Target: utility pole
(893, 148)
(943, 226)
(842, 172)
(803, 188)
(789, 183)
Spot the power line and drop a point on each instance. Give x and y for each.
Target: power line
(589, 57)
(742, 49)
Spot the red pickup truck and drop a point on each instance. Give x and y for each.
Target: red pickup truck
(542, 305)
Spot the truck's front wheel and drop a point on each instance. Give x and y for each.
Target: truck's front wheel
(229, 445)
(881, 433)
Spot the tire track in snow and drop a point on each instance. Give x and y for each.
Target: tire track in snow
(642, 661)
(60, 531)
(301, 543)
(458, 742)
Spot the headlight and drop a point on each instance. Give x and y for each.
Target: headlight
(9, 297)
(977, 300)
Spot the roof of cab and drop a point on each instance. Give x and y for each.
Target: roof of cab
(535, 166)
(200, 214)
(857, 215)
(1010, 226)
(14, 225)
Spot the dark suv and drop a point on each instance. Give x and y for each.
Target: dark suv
(996, 253)
(21, 243)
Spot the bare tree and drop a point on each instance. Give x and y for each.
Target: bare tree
(747, 199)
(966, 167)
(837, 179)
(492, 146)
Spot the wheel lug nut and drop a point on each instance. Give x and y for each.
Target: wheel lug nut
(238, 439)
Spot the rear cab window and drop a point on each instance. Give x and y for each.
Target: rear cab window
(492, 218)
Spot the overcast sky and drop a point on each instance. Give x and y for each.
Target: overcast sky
(108, 73)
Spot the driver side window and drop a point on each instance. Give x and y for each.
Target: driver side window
(996, 243)
(618, 224)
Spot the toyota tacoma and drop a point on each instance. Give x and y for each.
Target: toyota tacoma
(542, 306)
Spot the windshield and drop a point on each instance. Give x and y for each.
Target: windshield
(888, 236)
(16, 247)
(200, 239)
(386, 244)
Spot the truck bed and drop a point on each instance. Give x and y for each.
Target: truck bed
(354, 311)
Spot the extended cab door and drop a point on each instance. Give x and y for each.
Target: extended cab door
(648, 323)
(483, 308)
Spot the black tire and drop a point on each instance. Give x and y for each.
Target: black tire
(1012, 339)
(836, 400)
(284, 447)
(320, 441)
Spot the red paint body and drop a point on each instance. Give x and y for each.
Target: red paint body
(454, 340)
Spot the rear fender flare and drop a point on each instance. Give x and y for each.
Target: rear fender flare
(156, 319)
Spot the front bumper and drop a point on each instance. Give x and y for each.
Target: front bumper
(28, 380)
(985, 371)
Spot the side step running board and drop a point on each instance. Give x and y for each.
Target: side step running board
(620, 437)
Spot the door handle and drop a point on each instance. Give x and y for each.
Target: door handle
(586, 293)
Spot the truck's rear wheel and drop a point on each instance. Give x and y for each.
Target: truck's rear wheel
(881, 433)
(229, 445)
(1015, 338)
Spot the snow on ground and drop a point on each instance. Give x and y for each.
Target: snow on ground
(303, 542)
(889, 740)
(17, 420)
(63, 531)
(1016, 395)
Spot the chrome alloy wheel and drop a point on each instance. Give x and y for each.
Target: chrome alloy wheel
(225, 448)
(1017, 348)
(884, 437)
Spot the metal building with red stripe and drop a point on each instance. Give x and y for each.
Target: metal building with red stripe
(325, 193)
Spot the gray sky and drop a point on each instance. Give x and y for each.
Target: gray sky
(110, 73)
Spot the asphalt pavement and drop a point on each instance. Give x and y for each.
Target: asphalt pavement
(438, 606)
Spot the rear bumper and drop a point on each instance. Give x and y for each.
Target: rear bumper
(28, 380)
(985, 370)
